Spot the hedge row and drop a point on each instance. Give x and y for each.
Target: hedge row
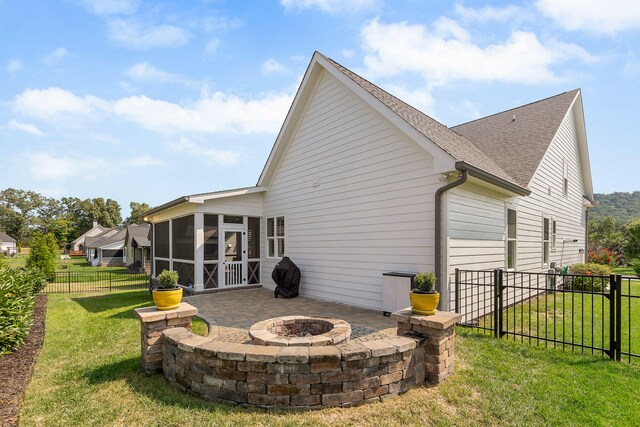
(18, 291)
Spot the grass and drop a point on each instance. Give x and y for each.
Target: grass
(88, 374)
(72, 264)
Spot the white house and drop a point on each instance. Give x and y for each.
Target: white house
(137, 247)
(359, 183)
(78, 245)
(8, 245)
(107, 248)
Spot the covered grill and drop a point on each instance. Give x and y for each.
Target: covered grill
(286, 276)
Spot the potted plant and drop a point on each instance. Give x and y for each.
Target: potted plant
(424, 297)
(168, 294)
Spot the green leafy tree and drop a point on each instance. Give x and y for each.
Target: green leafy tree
(605, 231)
(137, 209)
(44, 250)
(18, 212)
(106, 212)
(632, 244)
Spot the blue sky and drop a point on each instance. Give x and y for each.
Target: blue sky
(146, 100)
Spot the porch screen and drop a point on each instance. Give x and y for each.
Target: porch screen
(210, 237)
(185, 272)
(161, 241)
(253, 238)
(183, 238)
(161, 266)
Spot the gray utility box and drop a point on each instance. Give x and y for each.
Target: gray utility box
(395, 291)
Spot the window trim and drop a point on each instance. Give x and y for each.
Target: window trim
(554, 233)
(547, 241)
(275, 239)
(565, 177)
(511, 239)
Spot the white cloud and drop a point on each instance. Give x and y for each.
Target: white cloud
(25, 127)
(212, 46)
(330, 6)
(49, 167)
(143, 161)
(446, 52)
(271, 66)
(490, 13)
(147, 72)
(139, 36)
(109, 7)
(214, 155)
(14, 65)
(52, 102)
(594, 16)
(55, 56)
(348, 53)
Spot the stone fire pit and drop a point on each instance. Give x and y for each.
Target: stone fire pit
(303, 331)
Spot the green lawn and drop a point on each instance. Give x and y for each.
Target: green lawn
(72, 264)
(88, 374)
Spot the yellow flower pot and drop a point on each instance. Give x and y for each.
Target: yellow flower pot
(424, 303)
(167, 299)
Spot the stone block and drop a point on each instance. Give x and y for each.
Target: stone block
(375, 392)
(317, 368)
(390, 378)
(293, 355)
(324, 354)
(361, 384)
(304, 378)
(340, 398)
(210, 348)
(305, 400)
(326, 388)
(265, 354)
(288, 389)
(353, 351)
(231, 374)
(191, 341)
(233, 351)
(341, 376)
(265, 378)
(288, 368)
(267, 400)
(375, 371)
(380, 347)
(252, 366)
(251, 388)
(362, 363)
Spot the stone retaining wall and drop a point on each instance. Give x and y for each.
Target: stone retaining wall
(345, 374)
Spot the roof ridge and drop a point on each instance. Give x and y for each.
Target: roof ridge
(515, 108)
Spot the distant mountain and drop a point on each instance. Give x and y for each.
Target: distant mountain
(621, 206)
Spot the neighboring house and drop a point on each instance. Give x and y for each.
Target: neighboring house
(8, 245)
(137, 247)
(360, 183)
(79, 245)
(107, 248)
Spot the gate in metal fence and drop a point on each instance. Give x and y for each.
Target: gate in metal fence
(96, 281)
(586, 313)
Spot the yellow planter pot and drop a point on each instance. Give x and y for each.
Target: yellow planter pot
(424, 303)
(167, 300)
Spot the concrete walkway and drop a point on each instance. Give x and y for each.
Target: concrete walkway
(231, 313)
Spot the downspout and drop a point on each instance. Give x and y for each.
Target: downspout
(438, 232)
(586, 235)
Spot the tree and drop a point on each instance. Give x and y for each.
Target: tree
(632, 245)
(107, 213)
(44, 250)
(18, 210)
(137, 209)
(605, 231)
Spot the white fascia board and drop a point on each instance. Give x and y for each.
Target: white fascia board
(116, 245)
(201, 198)
(583, 147)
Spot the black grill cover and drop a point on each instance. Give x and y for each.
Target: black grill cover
(286, 275)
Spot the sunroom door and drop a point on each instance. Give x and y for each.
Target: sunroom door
(234, 265)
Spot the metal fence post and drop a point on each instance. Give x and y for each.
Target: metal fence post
(457, 291)
(619, 317)
(69, 280)
(496, 303)
(109, 280)
(500, 301)
(612, 316)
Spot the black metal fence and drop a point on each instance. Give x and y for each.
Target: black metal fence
(96, 281)
(586, 313)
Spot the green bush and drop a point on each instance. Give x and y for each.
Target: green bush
(18, 289)
(168, 279)
(425, 282)
(584, 283)
(44, 251)
(635, 264)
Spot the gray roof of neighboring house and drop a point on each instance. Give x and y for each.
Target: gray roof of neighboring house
(107, 237)
(140, 234)
(456, 145)
(519, 145)
(4, 237)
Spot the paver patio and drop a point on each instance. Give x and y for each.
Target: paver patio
(231, 313)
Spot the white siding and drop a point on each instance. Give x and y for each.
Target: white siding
(357, 196)
(246, 204)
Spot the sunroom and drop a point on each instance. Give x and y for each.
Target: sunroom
(212, 240)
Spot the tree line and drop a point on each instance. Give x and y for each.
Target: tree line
(25, 214)
(621, 206)
(613, 242)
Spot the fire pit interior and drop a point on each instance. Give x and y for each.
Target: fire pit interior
(300, 331)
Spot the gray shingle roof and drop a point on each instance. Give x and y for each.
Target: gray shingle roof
(4, 237)
(140, 234)
(456, 145)
(519, 145)
(107, 237)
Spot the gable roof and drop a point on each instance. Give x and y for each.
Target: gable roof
(4, 237)
(517, 139)
(107, 237)
(82, 237)
(140, 234)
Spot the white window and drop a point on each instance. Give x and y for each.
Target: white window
(565, 177)
(275, 237)
(512, 233)
(553, 235)
(546, 234)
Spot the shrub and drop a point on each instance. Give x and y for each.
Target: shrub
(18, 289)
(635, 264)
(168, 279)
(583, 282)
(44, 250)
(632, 245)
(601, 255)
(425, 282)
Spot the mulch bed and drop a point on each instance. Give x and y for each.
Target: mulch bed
(16, 368)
